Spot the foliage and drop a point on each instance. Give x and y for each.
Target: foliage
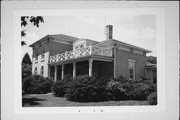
(115, 90)
(26, 66)
(84, 88)
(152, 98)
(26, 59)
(26, 70)
(36, 84)
(35, 20)
(59, 88)
(122, 88)
(90, 89)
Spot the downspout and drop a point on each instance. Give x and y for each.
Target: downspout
(115, 59)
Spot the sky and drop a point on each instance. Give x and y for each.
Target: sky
(138, 30)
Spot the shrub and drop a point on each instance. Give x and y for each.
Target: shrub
(84, 88)
(152, 98)
(59, 88)
(115, 90)
(138, 89)
(122, 89)
(37, 84)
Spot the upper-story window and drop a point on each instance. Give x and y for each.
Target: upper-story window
(131, 69)
(36, 57)
(35, 70)
(42, 56)
(131, 50)
(42, 70)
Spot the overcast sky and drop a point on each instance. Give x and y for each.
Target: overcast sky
(139, 30)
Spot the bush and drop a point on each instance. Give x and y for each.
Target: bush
(115, 90)
(84, 88)
(138, 89)
(152, 98)
(37, 84)
(122, 89)
(59, 88)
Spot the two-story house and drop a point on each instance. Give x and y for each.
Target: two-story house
(57, 55)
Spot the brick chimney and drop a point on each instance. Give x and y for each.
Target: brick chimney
(109, 32)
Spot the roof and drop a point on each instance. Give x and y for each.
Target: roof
(124, 44)
(71, 39)
(84, 39)
(58, 37)
(148, 64)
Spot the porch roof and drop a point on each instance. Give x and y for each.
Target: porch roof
(150, 65)
(83, 58)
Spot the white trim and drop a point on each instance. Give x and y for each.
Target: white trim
(61, 42)
(128, 49)
(131, 60)
(133, 67)
(124, 48)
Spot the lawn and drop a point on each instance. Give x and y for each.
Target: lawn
(49, 100)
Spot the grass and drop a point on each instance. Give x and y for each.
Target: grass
(49, 100)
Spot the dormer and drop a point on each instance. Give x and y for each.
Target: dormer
(82, 43)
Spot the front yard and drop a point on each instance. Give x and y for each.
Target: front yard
(49, 100)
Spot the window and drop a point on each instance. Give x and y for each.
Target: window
(42, 56)
(36, 57)
(131, 69)
(35, 70)
(131, 50)
(42, 70)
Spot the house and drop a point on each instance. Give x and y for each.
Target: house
(151, 71)
(57, 55)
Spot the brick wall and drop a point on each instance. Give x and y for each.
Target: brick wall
(122, 63)
(57, 48)
(50, 48)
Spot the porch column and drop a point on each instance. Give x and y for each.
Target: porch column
(74, 69)
(90, 67)
(62, 71)
(55, 73)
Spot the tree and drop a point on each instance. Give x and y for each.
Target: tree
(35, 20)
(26, 70)
(26, 66)
(26, 59)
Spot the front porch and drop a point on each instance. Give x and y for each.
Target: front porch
(88, 65)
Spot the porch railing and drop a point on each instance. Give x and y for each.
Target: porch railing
(89, 50)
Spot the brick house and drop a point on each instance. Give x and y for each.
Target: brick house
(57, 55)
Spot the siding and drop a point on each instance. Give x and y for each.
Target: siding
(122, 68)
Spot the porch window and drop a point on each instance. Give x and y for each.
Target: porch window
(42, 70)
(35, 70)
(131, 69)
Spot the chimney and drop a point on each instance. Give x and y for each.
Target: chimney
(109, 32)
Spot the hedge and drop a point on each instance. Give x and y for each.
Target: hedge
(36, 84)
(90, 89)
